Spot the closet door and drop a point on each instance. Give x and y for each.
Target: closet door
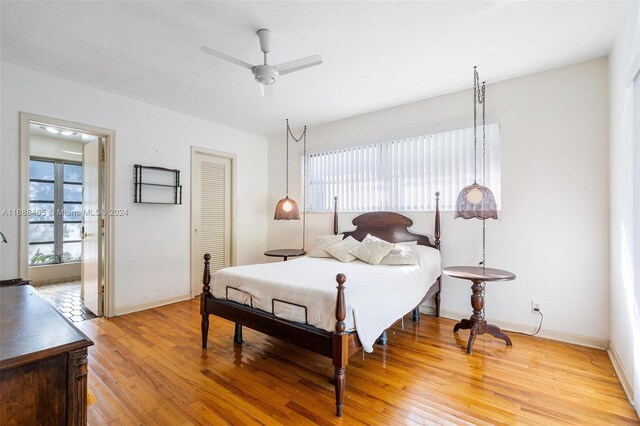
(210, 214)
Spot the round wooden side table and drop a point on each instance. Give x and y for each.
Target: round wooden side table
(285, 253)
(478, 275)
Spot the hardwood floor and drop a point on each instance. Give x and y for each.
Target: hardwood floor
(148, 368)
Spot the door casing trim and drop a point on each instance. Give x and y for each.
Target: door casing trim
(233, 158)
(109, 165)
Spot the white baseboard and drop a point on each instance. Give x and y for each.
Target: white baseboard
(621, 372)
(561, 336)
(135, 308)
(39, 283)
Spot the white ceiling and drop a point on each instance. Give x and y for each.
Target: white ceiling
(376, 54)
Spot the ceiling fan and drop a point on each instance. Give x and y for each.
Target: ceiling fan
(266, 74)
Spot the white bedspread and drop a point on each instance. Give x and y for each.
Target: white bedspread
(376, 296)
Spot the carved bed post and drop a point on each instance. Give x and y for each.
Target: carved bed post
(206, 292)
(436, 232)
(237, 335)
(437, 244)
(335, 215)
(340, 345)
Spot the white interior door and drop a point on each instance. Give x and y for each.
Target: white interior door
(91, 269)
(636, 228)
(210, 215)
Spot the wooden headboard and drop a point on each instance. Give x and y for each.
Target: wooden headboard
(389, 226)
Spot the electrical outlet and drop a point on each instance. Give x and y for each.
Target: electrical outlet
(535, 306)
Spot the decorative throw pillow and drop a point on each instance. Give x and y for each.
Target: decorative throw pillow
(322, 242)
(341, 250)
(372, 250)
(402, 254)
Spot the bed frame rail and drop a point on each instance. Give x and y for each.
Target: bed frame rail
(340, 344)
(314, 339)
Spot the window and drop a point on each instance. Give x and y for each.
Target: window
(402, 175)
(55, 204)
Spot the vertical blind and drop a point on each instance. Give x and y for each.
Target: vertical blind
(402, 175)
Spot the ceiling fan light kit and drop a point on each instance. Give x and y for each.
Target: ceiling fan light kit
(266, 74)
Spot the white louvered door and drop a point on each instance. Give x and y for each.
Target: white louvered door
(210, 215)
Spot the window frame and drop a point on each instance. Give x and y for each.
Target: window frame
(382, 165)
(58, 203)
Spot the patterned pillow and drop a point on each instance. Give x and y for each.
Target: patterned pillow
(322, 242)
(372, 250)
(402, 254)
(341, 250)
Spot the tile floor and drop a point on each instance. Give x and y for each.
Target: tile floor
(65, 297)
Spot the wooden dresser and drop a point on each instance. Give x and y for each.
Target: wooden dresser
(43, 362)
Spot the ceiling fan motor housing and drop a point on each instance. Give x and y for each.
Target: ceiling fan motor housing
(265, 74)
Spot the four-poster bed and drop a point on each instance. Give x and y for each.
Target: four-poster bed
(342, 342)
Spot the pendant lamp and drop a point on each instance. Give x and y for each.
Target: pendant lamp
(287, 208)
(477, 200)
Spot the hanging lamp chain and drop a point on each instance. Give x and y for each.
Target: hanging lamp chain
(479, 97)
(289, 132)
(484, 133)
(475, 125)
(304, 189)
(484, 243)
(483, 100)
(302, 137)
(287, 156)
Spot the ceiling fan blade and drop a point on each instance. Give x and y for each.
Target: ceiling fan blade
(266, 90)
(299, 64)
(228, 58)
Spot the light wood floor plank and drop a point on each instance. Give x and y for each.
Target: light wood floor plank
(147, 368)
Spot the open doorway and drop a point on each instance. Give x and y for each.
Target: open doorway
(64, 236)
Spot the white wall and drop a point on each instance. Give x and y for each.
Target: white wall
(553, 230)
(152, 242)
(62, 272)
(625, 276)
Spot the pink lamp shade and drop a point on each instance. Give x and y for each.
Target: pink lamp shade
(476, 201)
(287, 209)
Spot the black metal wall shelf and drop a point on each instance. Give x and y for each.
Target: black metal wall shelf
(143, 172)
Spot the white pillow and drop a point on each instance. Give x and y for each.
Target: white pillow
(402, 254)
(341, 250)
(322, 242)
(372, 250)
